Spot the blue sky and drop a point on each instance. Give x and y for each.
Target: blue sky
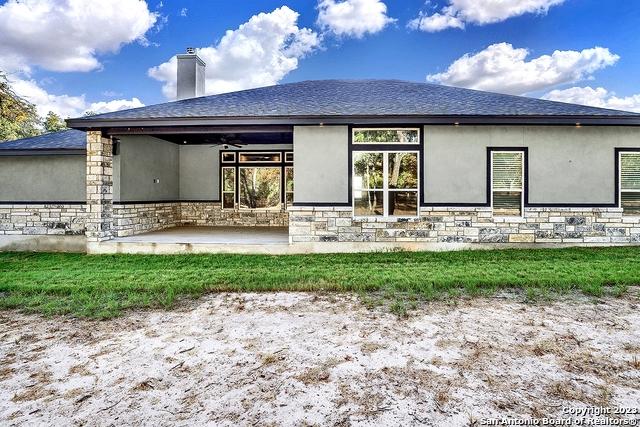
(368, 39)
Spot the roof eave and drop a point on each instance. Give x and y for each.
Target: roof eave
(97, 123)
(42, 152)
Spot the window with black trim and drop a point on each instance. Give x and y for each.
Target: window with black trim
(386, 136)
(228, 188)
(255, 180)
(259, 187)
(288, 185)
(629, 180)
(385, 175)
(507, 182)
(288, 157)
(260, 157)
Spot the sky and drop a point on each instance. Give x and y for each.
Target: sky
(74, 56)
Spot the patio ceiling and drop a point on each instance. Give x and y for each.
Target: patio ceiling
(194, 135)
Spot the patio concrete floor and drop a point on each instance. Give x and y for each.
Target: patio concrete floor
(183, 240)
(232, 235)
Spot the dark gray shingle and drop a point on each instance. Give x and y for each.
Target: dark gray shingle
(358, 97)
(69, 139)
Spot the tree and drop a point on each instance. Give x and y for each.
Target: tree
(18, 117)
(54, 123)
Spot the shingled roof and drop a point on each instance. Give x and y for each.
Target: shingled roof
(66, 140)
(351, 98)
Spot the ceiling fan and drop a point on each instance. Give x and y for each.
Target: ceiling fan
(225, 142)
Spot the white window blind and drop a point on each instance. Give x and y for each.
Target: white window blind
(630, 182)
(507, 182)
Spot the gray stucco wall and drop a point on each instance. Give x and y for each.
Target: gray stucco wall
(186, 172)
(43, 178)
(566, 164)
(199, 172)
(141, 160)
(321, 159)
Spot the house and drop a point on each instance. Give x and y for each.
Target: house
(333, 165)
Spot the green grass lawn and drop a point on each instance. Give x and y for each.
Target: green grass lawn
(102, 286)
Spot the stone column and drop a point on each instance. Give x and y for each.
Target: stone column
(99, 188)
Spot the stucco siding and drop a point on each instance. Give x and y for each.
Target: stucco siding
(321, 164)
(567, 165)
(142, 160)
(42, 178)
(199, 172)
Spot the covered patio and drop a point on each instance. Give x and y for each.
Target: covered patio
(177, 240)
(201, 188)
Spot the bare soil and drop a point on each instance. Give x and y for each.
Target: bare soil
(307, 359)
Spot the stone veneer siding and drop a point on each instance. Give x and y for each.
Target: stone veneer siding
(44, 219)
(212, 214)
(467, 225)
(335, 224)
(99, 187)
(131, 218)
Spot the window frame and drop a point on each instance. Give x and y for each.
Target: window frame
(385, 184)
(236, 165)
(286, 191)
(357, 143)
(222, 160)
(275, 208)
(523, 189)
(235, 184)
(279, 153)
(286, 156)
(619, 189)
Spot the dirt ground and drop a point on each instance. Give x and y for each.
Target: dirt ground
(307, 359)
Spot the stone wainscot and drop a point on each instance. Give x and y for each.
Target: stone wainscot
(466, 225)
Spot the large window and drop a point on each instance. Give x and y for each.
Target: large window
(385, 183)
(249, 183)
(630, 182)
(507, 182)
(259, 188)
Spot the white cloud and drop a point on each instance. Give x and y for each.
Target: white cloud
(66, 105)
(435, 22)
(259, 52)
(353, 18)
(598, 97)
(114, 105)
(479, 12)
(183, 12)
(67, 35)
(503, 68)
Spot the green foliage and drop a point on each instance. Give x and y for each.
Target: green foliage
(54, 123)
(385, 135)
(104, 285)
(369, 166)
(259, 187)
(18, 117)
